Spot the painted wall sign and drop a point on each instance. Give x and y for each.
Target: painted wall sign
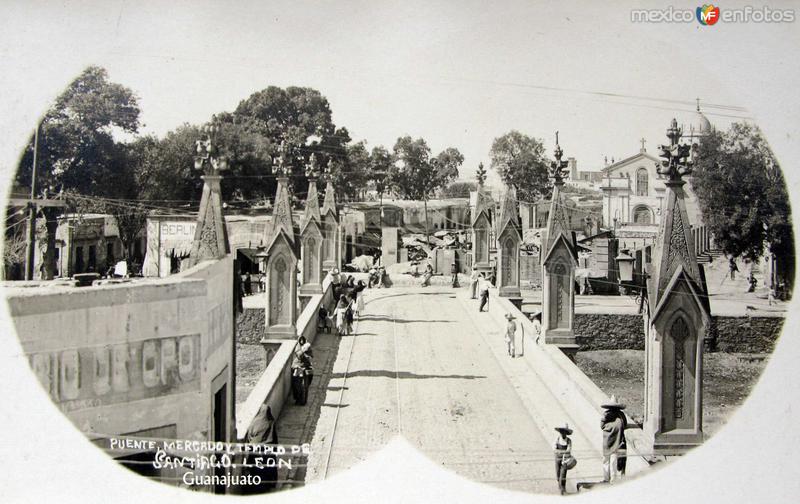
(177, 230)
(97, 376)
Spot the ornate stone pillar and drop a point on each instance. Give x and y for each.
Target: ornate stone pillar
(559, 260)
(281, 268)
(210, 236)
(509, 237)
(330, 225)
(677, 316)
(481, 226)
(311, 238)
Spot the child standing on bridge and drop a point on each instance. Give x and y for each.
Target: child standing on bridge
(511, 335)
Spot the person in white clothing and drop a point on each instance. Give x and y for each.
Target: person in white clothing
(511, 335)
(473, 281)
(483, 288)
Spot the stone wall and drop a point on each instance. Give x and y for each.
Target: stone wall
(728, 334)
(604, 331)
(140, 356)
(744, 334)
(250, 326)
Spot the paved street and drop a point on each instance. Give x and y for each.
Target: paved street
(423, 366)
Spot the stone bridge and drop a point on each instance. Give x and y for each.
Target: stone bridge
(423, 363)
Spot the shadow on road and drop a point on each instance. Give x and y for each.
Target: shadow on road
(385, 373)
(385, 318)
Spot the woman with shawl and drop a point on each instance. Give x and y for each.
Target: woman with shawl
(339, 316)
(262, 431)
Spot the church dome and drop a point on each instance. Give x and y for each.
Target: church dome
(696, 124)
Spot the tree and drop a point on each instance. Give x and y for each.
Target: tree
(743, 196)
(459, 189)
(417, 176)
(300, 116)
(250, 137)
(77, 147)
(381, 168)
(520, 161)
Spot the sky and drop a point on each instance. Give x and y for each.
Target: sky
(458, 74)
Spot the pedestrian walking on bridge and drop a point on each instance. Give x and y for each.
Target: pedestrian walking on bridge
(613, 425)
(564, 459)
(483, 288)
(473, 282)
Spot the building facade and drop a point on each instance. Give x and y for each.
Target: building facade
(634, 192)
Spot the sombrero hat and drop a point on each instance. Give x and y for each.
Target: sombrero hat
(613, 403)
(509, 316)
(566, 430)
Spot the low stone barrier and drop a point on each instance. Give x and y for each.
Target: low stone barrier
(274, 385)
(580, 396)
(744, 334)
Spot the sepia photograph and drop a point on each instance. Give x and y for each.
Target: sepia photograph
(399, 251)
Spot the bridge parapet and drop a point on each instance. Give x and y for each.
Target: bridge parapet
(274, 385)
(577, 394)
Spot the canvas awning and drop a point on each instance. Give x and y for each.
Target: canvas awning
(178, 250)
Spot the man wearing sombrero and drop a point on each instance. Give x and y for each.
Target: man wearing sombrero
(613, 424)
(564, 459)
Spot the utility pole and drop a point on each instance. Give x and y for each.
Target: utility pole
(30, 250)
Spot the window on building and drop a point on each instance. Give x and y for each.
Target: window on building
(642, 215)
(641, 182)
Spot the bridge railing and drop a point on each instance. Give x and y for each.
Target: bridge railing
(582, 397)
(274, 385)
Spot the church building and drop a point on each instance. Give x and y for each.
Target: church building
(634, 192)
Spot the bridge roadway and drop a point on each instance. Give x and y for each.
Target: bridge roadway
(425, 364)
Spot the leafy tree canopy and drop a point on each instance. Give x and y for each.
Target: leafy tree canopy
(417, 175)
(742, 193)
(459, 189)
(521, 162)
(77, 146)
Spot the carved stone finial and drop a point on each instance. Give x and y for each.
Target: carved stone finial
(312, 168)
(283, 168)
(558, 168)
(480, 174)
(328, 175)
(207, 158)
(677, 160)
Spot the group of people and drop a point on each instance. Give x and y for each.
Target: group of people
(349, 297)
(613, 424)
(247, 283)
(479, 285)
